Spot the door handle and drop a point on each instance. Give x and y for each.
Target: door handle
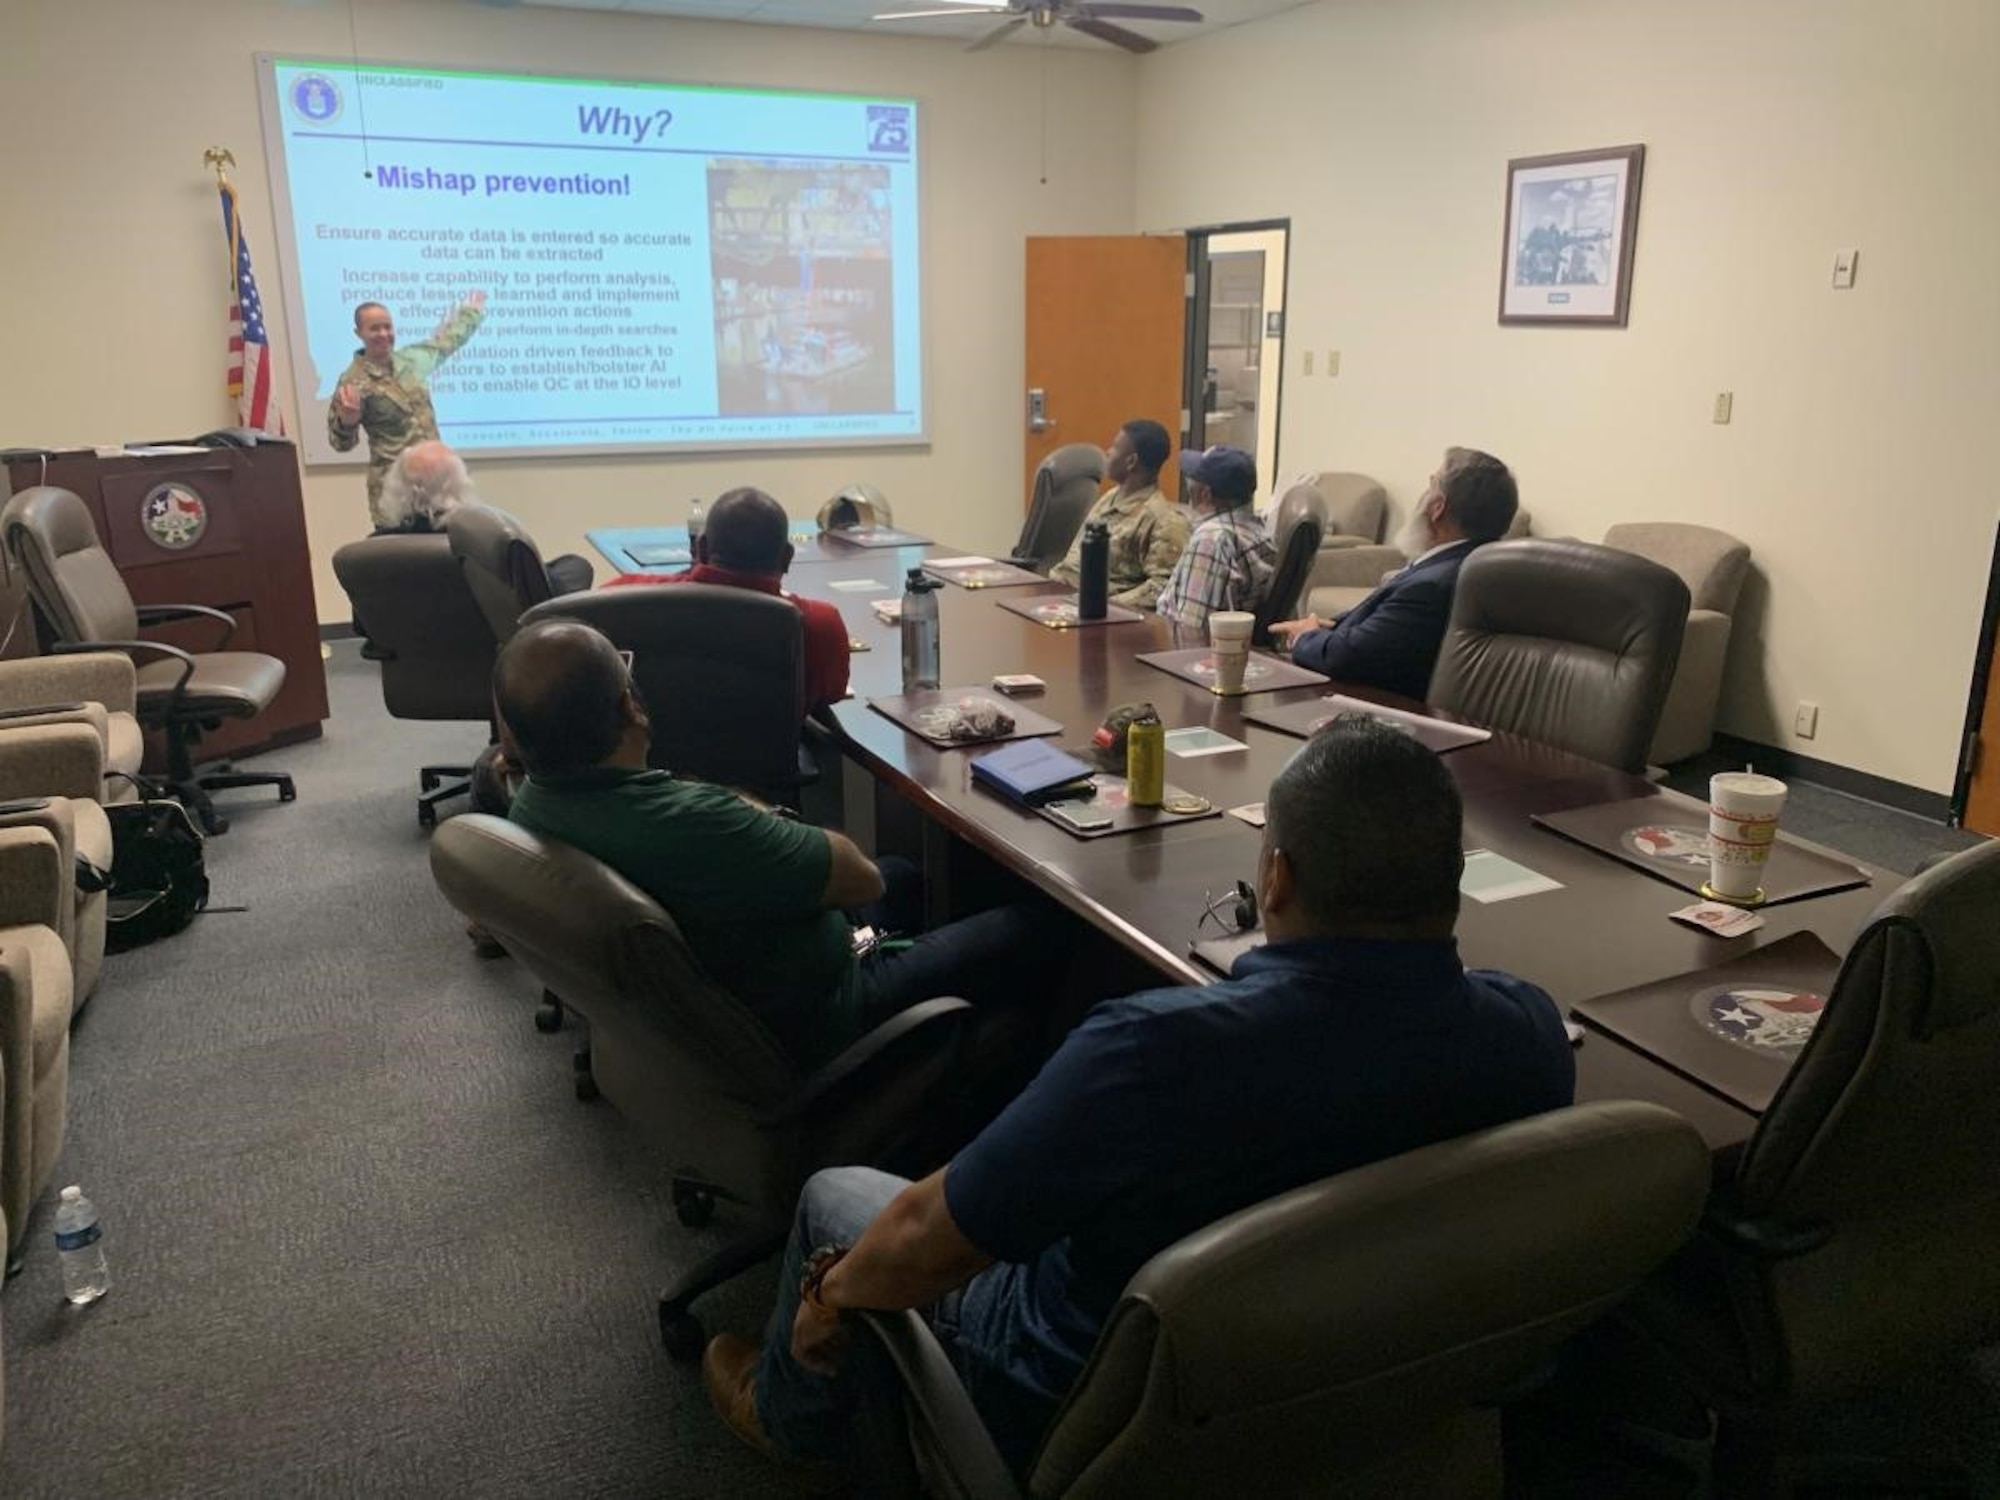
(1038, 411)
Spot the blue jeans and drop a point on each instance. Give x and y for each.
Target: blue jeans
(814, 1416)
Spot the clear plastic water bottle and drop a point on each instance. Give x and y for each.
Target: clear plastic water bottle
(921, 652)
(80, 1243)
(697, 520)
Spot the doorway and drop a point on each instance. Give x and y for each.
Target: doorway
(1976, 798)
(1235, 361)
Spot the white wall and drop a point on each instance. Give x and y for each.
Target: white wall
(114, 266)
(1776, 132)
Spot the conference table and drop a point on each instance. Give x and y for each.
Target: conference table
(1604, 929)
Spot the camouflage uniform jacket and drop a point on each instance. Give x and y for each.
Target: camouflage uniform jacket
(1148, 534)
(395, 400)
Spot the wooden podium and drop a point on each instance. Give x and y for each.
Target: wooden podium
(225, 527)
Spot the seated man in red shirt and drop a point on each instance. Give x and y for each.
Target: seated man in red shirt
(747, 545)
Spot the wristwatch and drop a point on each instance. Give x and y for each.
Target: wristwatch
(821, 1261)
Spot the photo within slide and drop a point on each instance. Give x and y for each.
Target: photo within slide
(577, 265)
(804, 320)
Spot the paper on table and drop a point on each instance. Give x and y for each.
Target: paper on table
(956, 562)
(1250, 812)
(888, 611)
(1199, 739)
(858, 585)
(1491, 877)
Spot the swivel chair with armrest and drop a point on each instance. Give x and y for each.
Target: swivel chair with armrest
(722, 670)
(1848, 1250)
(1357, 508)
(501, 565)
(857, 505)
(1066, 486)
(82, 605)
(1353, 1338)
(433, 641)
(100, 688)
(1566, 643)
(1296, 528)
(1712, 564)
(685, 1061)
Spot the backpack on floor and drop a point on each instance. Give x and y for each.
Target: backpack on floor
(158, 878)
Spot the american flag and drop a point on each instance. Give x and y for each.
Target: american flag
(249, 361)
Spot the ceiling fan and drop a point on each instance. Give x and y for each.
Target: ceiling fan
(1091, 17)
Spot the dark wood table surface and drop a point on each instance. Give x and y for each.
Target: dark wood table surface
(1604, 930)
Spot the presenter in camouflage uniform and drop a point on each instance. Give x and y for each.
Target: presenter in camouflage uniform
(384, 391)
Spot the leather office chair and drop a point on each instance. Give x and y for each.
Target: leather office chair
(1357, 508)
(1296, 528)
(35, 1009)
(501, 564)
(688, 1064)
(433, 641)
(1066, 486)
(1563, 642)
(77, 910)
(1352, 1338)
(82, 604)
(722, 673)
(1851, 1245)
(1712, 564)
(857, 505)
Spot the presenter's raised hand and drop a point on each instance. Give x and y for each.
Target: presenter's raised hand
(477, 300)
(347, 406)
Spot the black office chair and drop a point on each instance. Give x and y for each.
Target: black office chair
(686, 1062)
(502, 566)
(857, 505)
(1564, 642)
(1066, 485)
(1849, 1249)
(722, 673)
(431, 638)
(82, 604)
(1296, 530)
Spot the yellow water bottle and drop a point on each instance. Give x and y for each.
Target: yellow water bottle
(1146, 760)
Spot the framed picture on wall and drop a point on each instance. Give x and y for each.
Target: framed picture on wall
(1572, 221)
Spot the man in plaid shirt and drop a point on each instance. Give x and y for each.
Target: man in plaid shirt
(1230, 558)
(1148, 531)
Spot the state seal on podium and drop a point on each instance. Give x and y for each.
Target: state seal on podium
(174, 516)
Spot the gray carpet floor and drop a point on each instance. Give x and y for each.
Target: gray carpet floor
(363, 1240)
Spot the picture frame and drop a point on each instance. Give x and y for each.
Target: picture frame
(1570, 228)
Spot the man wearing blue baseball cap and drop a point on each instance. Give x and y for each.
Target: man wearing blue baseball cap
(1230, 558)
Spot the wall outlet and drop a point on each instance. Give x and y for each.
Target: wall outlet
(1309, 362)
(1725, 406)
(1332, 362)
(1805, 720)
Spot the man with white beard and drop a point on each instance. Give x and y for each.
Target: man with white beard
(1390, 640)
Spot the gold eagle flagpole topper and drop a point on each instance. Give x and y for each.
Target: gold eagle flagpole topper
(219, 157)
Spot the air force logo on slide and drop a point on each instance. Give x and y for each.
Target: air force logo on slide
(315, 99)
(174, 516)
(889, 127)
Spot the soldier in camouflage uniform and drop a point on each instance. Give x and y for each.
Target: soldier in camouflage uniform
(384, 393)
(1148, 531)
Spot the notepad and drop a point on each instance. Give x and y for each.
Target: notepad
(1029, 771)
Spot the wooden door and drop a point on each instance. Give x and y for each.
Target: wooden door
(1982, 792)
(1106, 324)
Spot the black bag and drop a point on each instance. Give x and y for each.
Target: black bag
(158, 878)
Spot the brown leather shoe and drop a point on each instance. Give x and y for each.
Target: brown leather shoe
(729, 1374)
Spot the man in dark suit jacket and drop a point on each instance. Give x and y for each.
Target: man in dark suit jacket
(1390, 640)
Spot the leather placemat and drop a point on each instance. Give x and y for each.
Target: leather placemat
(919, 713)
(1307, 718)
(1058, 612)
(1666, 836)
(868, 538)
(1125, 818)
(986, 575)
(1736, 1028)
(1264, 674)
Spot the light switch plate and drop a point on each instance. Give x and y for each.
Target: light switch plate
(1309, 362)
(1333, 362)
(1843, 269)
(1725, 406)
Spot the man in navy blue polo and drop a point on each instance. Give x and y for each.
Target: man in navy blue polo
(1353, 1034)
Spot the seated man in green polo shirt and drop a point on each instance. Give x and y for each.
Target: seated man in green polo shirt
(760, 898)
